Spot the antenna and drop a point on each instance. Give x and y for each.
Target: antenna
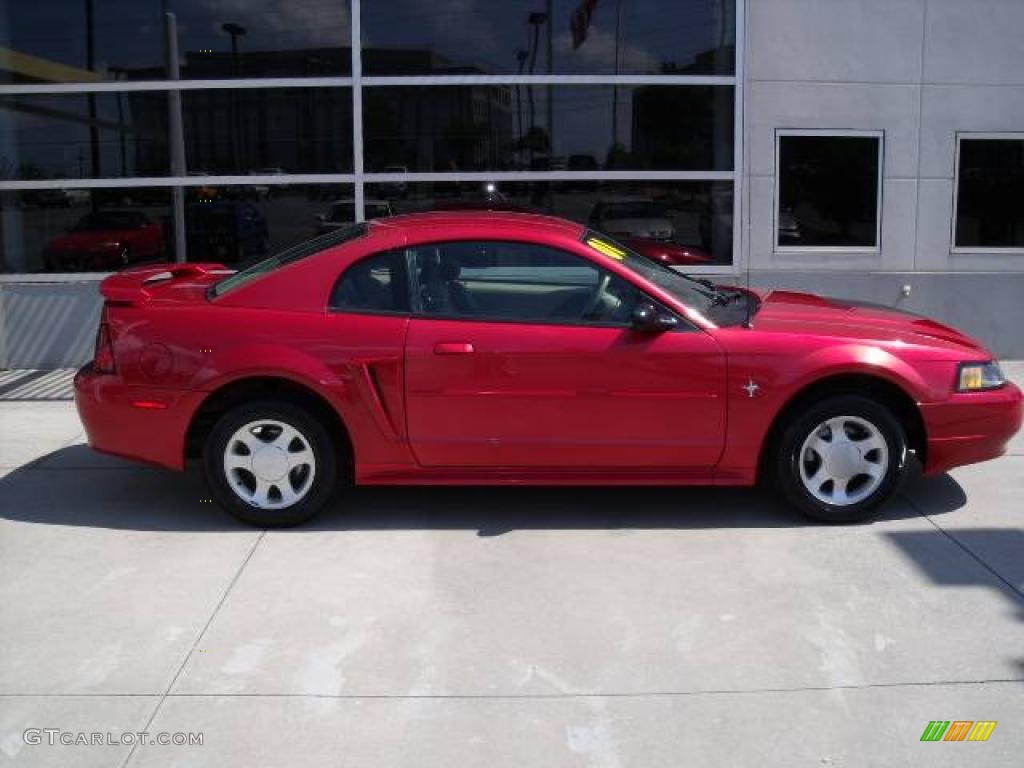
(748, 316)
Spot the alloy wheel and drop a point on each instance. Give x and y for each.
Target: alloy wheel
(269, 464)
(843, 460)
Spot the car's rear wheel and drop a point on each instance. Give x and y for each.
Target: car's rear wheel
(841, 458)
(270, 464)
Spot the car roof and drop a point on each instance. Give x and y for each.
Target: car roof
(470, 218)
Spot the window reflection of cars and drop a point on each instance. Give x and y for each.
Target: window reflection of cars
(637, 217)
(272, 172)
(226, 230)
(789, 228)
(57, 198)
(395, 188)
(105, 240)
(342, 213)
(202, 191)
(666, 252)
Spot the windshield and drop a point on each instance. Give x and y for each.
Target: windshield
(690, 292)
(637, 210)
(288, 256)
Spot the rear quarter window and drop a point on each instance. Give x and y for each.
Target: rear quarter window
(376, 284)
(289, 256)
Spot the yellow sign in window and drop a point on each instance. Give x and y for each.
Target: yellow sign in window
(607, 249)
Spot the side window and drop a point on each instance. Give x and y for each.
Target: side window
(522, 282)
(374, 284)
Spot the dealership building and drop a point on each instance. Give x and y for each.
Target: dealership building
(871, 149)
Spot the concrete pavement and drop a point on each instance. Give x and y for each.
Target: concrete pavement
(515, 627)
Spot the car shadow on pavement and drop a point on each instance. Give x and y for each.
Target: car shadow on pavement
(75, 486)
(992, 558)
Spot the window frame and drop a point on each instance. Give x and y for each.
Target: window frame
(418, 313)
(979, 250)
(780, 134)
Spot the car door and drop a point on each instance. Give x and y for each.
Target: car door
(521, 355)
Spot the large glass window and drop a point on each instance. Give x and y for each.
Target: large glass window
(100, 230)
(829, 190)
(542, 128)
(620, 115)
(86, 41)
(239, 224)
(83, 230)
(265, 131)
(74, 136)
(411, 37)
(990, 188)
(679, 223)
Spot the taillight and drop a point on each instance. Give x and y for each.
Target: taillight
(103, 359)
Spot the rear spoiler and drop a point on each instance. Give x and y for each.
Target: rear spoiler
(136, 284)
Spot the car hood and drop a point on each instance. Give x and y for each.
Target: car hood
(78, 241)
(849, 319)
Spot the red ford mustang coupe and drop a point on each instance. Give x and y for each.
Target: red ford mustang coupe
(106, 239)
(508, 348)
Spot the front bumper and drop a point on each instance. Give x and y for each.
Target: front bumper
(970, 427)
(140, 423)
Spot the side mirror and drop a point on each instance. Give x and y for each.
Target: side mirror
(648, 318)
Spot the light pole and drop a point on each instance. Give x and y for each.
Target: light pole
(615, 86)
(118, 73)
(551, 94)
(90, 64)
(521, 57)
(535, 19)
(235, 31)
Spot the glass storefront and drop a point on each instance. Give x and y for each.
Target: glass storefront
(85, 230)
(249, 116)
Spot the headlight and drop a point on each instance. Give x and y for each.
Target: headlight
(977, 377)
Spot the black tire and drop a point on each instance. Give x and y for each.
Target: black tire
(324, 478)
(787, 459)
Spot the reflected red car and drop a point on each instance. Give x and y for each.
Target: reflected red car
(505, 349)
(667, 252)
(105, 240)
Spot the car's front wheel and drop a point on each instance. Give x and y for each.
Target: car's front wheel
(841, 458)
(270, 464)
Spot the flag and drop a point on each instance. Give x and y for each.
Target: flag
(580, 21)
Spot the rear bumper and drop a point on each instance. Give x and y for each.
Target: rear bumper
(139, 423)
(969, 428)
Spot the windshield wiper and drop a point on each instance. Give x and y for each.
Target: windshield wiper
(728, 296)
(711, 291)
